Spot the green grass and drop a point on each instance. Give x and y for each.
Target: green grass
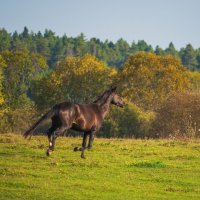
(114, 169)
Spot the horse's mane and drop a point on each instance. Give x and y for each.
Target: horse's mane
(103, 97)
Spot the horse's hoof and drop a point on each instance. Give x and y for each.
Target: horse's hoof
(76, 149)
(48, 152)
(82, 156)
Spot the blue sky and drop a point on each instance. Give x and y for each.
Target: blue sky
(158, 22)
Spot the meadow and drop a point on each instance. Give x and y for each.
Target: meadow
(114, 169)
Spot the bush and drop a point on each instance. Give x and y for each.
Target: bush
(18, 119)
(130, 121)
(179, 116)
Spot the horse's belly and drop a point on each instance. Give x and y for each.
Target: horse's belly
(80, 128)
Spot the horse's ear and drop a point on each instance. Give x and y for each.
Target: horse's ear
(113, 89)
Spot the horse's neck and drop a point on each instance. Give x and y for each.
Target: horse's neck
(105, 106)
(100, 102)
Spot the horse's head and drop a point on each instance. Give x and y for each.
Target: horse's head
(113, 97)
(116, 100)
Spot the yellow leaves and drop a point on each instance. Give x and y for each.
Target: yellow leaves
(1, 99)
(79, 66)
(148, 79)
(113, 73)
(194, 80)
(77, 79)
(55, 80)
(39, 60)
(170, 60)
(85, 66)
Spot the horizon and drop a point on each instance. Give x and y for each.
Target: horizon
(155, 22)
(87, 39)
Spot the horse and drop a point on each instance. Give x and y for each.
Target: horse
(86, 118)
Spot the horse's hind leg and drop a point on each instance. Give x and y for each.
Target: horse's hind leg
(50, 134)
(61, 131)
(55, 124)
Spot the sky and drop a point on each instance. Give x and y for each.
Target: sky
(158, 22)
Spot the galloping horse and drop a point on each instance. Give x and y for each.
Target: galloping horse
(86, 118)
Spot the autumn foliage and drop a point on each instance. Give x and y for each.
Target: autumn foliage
(160, 93)
(75, 79)
(147, 80)
(179, 116)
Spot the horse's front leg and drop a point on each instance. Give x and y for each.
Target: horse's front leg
(91, 139)
(84, 144)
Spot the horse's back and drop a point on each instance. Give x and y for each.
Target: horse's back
(65, 112)
(64, 105)
(88, 110)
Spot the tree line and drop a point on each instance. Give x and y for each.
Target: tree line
(161, 93)
(54, 48)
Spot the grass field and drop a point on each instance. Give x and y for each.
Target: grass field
(114, 169)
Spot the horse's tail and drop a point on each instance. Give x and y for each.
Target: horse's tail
(49, 114)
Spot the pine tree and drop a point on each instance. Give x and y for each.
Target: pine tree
(171, 50)
(4, 40)
(189, 57)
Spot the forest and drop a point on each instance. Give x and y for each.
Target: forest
(160, 86)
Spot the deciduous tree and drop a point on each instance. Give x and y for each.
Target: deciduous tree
(147, 79)
(76, 79)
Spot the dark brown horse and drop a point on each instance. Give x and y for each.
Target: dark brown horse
(86, 118)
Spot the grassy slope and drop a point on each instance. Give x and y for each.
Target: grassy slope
(114, 169)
